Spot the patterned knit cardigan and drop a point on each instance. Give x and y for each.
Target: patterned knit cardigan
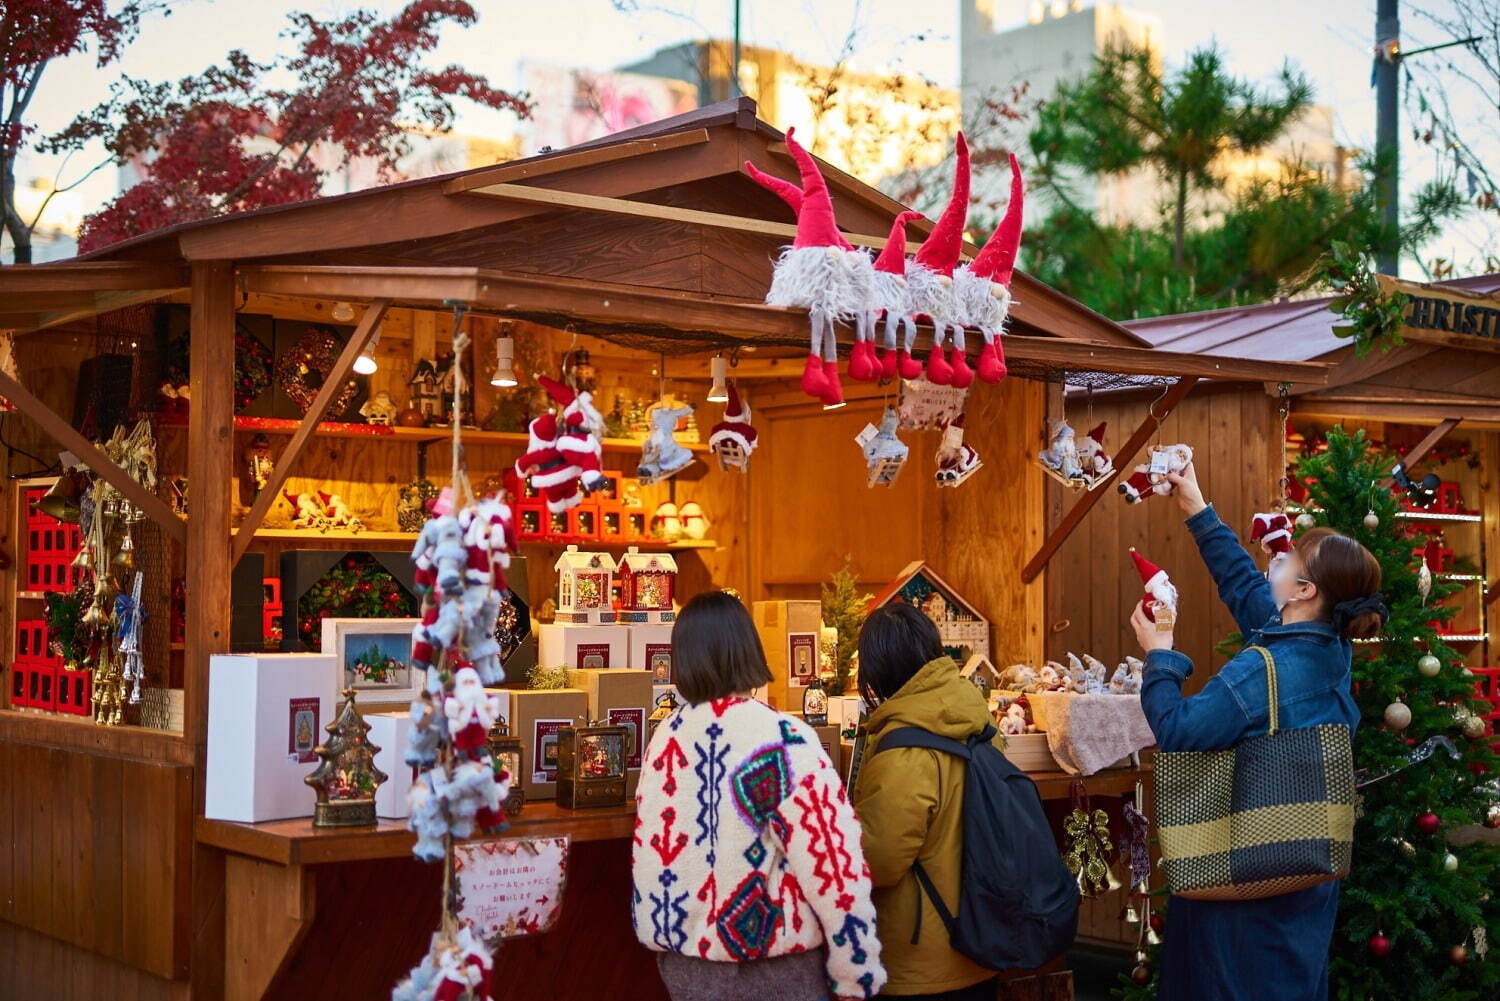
(747, 847)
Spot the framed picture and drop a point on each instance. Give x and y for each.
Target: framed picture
(373, 657)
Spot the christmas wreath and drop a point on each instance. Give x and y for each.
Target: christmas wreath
(356, 588)
(301, 371)
(252, 368)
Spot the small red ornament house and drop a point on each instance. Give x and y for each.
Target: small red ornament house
(648, 584)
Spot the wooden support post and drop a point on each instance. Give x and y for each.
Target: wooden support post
(71, 439)
(1427, 444)
(210, 470)
(333, 382)
(1158, 412)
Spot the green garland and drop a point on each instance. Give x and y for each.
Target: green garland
(356, 588)
(1373, 316)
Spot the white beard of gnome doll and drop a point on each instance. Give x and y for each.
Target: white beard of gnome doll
(578, 440)
(471, 711)
(892, 303)
(929, 281)
(1160, 602)
(820, 272)
(545, 467)
(982, 287)
(733, 439)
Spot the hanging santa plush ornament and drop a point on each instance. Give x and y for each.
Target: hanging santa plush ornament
(733, 439)
(578, 437)
(982, 287)
(1150, 477)
(1095, 462)
(891, 302)
(1160, 603)
(956, 461)
(1273, 530)
(929, 282)
(546, 468)
(471, 710)
(820, 272)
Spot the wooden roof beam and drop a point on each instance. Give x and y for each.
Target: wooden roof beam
(89, 277)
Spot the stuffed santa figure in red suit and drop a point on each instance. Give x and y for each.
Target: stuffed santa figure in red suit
(982, 287)
(820, 272)
(733, 438)
(1160, 602)
(1273, 530)
(578, 438)
(929, 283)
(544, 466)
(892, 304)
(471, 710)
(1095, 461)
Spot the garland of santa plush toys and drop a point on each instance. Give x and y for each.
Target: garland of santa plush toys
(835, 282)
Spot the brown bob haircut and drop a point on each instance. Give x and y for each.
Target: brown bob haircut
(715, 649)
(1342, 569)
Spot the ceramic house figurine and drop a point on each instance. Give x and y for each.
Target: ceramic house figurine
(648, 584)
(981, 674)
(584, 585)
(426, 386)
(379, 410)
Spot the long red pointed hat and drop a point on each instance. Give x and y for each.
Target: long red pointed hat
(997, 261)
(560, 393)
(816, 224)
(1098, 431)
(735, 409)
(941, 250)
(1144, 567)
(892, 259)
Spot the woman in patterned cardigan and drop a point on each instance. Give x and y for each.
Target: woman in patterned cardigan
(749, 879)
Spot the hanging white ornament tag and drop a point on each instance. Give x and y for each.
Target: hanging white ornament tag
(863, 438)
(1160, 459)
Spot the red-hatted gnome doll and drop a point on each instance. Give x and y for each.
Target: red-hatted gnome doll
(1095, 461)
(982, 287)
(578, 438)
(733, 438)
(1151, 477)
(1160, 601)
(929, 283)
(890, 303)
(544, 466)
(1273, 530)
(820, 272)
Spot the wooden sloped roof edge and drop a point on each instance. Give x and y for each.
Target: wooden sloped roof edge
(35, 296)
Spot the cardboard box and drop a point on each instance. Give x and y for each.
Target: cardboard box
(620, 698)
(535, 717)
(583, 647)
(789, 631)
(651, 650)
(266, 714)
(391, 732)
(828, 736)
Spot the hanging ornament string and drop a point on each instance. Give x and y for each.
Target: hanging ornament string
(1364, 777)
(458, 481)
(1284, 483)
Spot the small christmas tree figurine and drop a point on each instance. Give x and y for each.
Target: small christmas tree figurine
(346, 777)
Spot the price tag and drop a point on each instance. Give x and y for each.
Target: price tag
(1159, 462)
(863, 438)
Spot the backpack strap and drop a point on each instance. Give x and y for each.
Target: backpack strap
(915, 736)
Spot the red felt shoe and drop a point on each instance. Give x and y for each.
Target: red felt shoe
(814, 381)
(992, 361)
(963, 375)
(833, 394)
(939, 372)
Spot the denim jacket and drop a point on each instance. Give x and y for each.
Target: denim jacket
(1312, 662)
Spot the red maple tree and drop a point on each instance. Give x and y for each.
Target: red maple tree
(229, 139)
(32, 34)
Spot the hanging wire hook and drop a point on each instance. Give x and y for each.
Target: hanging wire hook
(1151, 409)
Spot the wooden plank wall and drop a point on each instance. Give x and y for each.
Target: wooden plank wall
(1092, 584)
(810, 507)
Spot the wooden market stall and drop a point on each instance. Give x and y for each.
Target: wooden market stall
(1432, 399)
(651, 250)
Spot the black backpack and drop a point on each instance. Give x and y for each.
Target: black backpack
(1017, 903)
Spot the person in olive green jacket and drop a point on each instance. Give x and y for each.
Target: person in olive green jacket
(910, 802)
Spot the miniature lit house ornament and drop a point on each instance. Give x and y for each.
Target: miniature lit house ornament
(959, 624)
(584, 582)
(425, 385)
(346, 777)
(648, 583)
(591, 765)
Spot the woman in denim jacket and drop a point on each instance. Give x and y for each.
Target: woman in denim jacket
(1305, 611)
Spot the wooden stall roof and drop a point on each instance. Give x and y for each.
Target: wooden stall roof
(1416, 382)
(655, 237)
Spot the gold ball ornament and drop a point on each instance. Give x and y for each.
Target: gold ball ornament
(1398, 716)
(1372, 520)
(1407, 848)
(1474, 728)
(1306, 521)
(1450, 862)
(1429, 666)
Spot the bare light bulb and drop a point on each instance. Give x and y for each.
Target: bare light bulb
(365, 364)
(505, 355)
(342, 312)
(718, 366)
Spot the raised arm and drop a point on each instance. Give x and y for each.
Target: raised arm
(1242, 587)
(1213, 719)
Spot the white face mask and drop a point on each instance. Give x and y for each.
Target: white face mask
(1283, 579)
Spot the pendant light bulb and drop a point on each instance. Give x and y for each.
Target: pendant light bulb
(342, 312)
(718, 366)
(505, 356)
(365, 364)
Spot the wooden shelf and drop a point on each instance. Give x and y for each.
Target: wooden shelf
(418, 435)
(645, 545)
(308, 535)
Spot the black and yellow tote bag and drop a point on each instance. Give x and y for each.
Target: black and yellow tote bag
(1272, 815)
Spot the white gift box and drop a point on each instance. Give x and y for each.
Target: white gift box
(651, 650)
(843, 711)
(266, 714)
(391, 732)
(583, 647)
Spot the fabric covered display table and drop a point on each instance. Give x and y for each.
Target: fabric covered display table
(1088, 733)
